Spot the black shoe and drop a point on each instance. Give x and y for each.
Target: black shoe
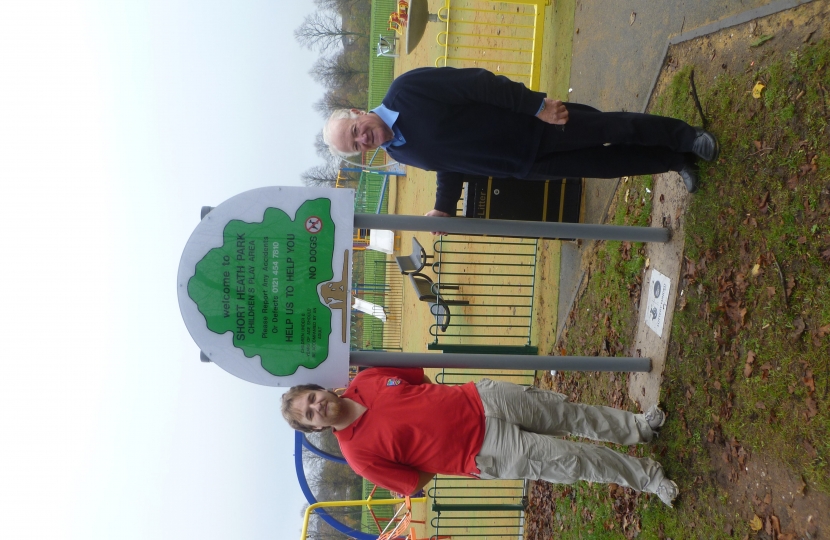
(706, 145)
(689, 175)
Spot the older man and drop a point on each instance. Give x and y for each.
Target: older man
(470, 121)
(398, 430)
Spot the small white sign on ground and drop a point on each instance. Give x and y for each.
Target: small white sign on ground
(658, 298)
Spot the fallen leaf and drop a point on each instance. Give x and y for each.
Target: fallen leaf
(750, 358)
(760, 405)
(792, 183)
(756, 270)
(757, 91)
(824, 330)
(791, 284)
(763, 204)
(808, 167)
(761, 40)
(631, 19)
(812, 409)
(809, 382)
(798, 329)
(756, 524)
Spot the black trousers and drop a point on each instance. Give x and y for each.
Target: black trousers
(637, 144)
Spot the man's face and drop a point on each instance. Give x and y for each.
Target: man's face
(318, 409)
(361, 134)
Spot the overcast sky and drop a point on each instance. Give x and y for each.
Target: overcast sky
(119, 119)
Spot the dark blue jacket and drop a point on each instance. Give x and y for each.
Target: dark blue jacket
(464, 121)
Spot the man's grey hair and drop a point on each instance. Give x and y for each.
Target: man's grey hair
(337, 114)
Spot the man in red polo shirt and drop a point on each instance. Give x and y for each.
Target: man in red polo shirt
(398, 430)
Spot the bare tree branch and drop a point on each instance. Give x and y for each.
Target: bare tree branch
(323, 30)
(337, 71)
(320, 175)
(336, 99)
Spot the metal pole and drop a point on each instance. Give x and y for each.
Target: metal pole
(522, 229)
(500, 361)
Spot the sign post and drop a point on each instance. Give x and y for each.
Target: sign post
(264, 286)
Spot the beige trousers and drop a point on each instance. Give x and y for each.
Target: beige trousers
(521, 439)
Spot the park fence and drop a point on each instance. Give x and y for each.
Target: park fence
(502, 37)
(495, 278)
(372, 281)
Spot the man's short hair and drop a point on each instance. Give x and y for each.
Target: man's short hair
(337, 114)
(288, 411)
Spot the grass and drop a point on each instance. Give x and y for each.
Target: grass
(749, 354)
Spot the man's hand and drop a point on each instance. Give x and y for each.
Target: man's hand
(437, 213)
(554, 113)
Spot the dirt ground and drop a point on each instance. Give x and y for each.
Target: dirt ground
(754, 483)
(766, 483)
(731, 50)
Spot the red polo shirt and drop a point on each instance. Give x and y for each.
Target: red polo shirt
(410, 427)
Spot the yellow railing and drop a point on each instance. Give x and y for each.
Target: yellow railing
(503, 37)
(367, 502)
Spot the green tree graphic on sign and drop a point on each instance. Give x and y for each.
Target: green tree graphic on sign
(262, 286)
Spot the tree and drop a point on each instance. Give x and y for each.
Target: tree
(324, 30)
(321, 175)
(321, 148)
(338, 99)
(337, 71)
(338, 5)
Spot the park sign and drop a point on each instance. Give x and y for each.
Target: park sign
(264, 285)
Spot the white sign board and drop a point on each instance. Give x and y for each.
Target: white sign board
(658, 298)
(264, 285)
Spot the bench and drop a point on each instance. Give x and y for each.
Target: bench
(415, 261)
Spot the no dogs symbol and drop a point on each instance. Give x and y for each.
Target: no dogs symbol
(313, 224)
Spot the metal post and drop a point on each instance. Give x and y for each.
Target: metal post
(500, 361)
(520, 229)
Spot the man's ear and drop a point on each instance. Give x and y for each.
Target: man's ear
(358, 111)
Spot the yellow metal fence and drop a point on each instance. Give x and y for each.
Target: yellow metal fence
(502, 37)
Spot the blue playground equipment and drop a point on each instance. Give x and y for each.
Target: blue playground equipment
(301, 442)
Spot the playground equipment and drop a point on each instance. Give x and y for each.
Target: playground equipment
(410, 22)
(318, 508)
(387, 534)
(397, 20)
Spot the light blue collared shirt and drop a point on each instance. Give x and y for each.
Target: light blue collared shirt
(389, 118)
